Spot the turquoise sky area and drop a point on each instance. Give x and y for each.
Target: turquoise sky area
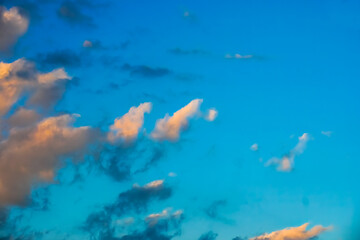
(179, 120)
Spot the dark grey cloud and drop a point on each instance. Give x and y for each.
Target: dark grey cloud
(134, 200)
(71, 12)
(208, 236)
(146, 71)
(158, 231)
(157, 154)
(213, 210)
(60, 58)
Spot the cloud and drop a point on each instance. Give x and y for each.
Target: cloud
(169, 127)
(64, 58)
(135, 200)
(238, 56)
(12, 26)
(286, 163)
(294, 233)
(23, 117)
(213, 210)
(211, 114)
(154, 218)
(126, 128)
(208, 236)
(31, 155)
(327, 133)
(70, 12)
(146, 71)
(254, 147)
(92, 44)
(21, 77)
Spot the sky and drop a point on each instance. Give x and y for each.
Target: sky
(183, 120)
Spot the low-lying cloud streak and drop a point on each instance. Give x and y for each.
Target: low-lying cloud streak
(294, 233)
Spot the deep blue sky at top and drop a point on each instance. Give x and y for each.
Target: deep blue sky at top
(303, 78)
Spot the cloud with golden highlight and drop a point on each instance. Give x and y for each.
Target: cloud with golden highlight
(31, 155)
(294, 233)
(127, 127)
(21, 77)
(169, 127)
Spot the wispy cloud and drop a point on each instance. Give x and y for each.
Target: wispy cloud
(286, 163)
(146, 71)
(294, 233)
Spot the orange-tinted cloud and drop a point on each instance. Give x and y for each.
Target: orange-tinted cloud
(31, 155)
(293, 233)
(169, 127)
(127, 127)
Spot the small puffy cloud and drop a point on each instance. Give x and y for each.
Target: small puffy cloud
(294, 233)
(327, 133)
(211, 114)
(12, 26)
(32, 155)
(127, 127)
(154, 218)
(21, 77)
(238, 56)
(92, 44)
(169, 127)
(87, 44)
(286, 163)
(254, 147)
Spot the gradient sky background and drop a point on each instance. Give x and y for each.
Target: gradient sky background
(299, 73)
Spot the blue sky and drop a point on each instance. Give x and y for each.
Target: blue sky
(279, 74)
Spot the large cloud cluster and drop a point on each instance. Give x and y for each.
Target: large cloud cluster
(32, 154)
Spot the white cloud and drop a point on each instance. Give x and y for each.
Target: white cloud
(254, 147)
(238, 56)
(126, 128)
(327, 133)
(12, 26)
(286, 163)
(211, 114)
(294, 233)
